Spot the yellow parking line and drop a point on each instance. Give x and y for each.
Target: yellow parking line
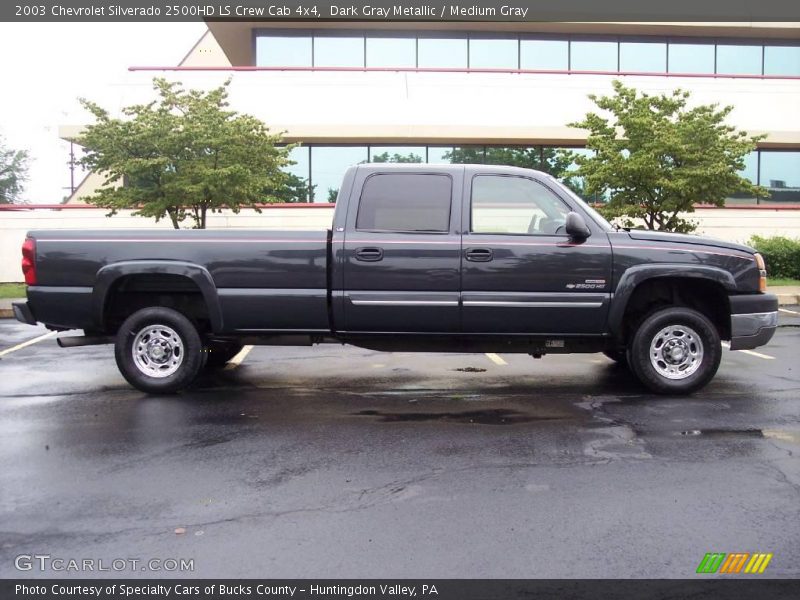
(495, 358)
(791, 312)
(758, 354)
(28, 343)
(237, 360)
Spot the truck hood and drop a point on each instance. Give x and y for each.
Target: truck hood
(683, 238)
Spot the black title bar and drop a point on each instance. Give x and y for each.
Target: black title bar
(402, 589)
(746, 11)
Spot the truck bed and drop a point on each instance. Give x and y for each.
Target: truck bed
(265, 280)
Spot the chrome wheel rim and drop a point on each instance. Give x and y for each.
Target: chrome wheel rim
(157, 351)
(676, 352)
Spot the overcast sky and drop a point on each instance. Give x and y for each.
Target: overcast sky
(45, 67)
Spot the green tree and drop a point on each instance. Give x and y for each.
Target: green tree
(183, 155)
(13, 173)
(293, 189)
(385, 157)
(555, 161)
(656, 157)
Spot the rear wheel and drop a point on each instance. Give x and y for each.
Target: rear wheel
(158, 350)
(219, 353)
(675, 351)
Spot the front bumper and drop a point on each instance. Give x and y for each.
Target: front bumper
(22, 313)
(753, 320)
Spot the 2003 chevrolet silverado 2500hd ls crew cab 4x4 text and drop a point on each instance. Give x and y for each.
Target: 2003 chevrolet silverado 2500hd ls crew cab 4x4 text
(465, 258)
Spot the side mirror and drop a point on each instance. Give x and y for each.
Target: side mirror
(576, 227)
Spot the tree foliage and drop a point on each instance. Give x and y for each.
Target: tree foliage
(183, 155)
(13, 173)
(558, 162)
(655, 157)
(385, 157)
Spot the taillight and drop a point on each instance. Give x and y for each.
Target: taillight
(29, 261)
(762, 273)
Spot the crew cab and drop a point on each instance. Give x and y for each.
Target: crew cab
(456, 258)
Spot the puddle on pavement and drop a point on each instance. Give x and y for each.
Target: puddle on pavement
(723, 433)
(497, 416)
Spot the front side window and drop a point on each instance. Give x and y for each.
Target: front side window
(405, 202)
(515, 205)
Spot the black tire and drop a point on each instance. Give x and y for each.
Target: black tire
(618, 356)
(699, 338)
(219, 353)
(179, 342)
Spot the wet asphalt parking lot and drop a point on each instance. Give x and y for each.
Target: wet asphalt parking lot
(339, 462)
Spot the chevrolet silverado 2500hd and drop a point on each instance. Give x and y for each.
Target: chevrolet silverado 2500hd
(467, 258)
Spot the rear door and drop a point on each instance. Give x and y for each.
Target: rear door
(401, 252)
(521, 273)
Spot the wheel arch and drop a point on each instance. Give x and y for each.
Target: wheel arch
(111, 275)
(714, 280)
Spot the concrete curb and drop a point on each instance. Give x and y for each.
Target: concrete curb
(787, 296)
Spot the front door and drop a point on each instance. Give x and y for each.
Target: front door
(521, 273)
(402, 253)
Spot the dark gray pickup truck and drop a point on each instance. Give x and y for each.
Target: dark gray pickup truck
(458, 258)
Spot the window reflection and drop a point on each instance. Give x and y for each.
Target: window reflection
(781, 60)
(593, 56)
(391, 52)
(550, 55)
(338, 52)
(643, 57)
(493, 54)
(397, 154)
(439, 154)
(442, 53)
(328, 164)
(283, 51)
(738, 60)
(780, 173)
(691, 58)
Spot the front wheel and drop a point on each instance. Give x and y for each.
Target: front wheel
(159, 351)
(675, 351)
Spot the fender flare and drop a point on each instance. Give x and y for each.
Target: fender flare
(109, 274)
(636, 275)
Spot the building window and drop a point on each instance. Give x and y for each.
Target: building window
(439, 154)
(691, 58)
(544, 55)
(408, 202)
(397, 154)
(515, 205)
(781, 60)
(283, 51)
(643, 57)
(780, 173)
(493, 54)
(442, 53)
(738, 60)
(593, 56)
(338, 51)
(391, 52)
(328, 164)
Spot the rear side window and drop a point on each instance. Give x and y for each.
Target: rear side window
(405, 202)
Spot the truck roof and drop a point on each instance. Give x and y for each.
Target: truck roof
(448, 168)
